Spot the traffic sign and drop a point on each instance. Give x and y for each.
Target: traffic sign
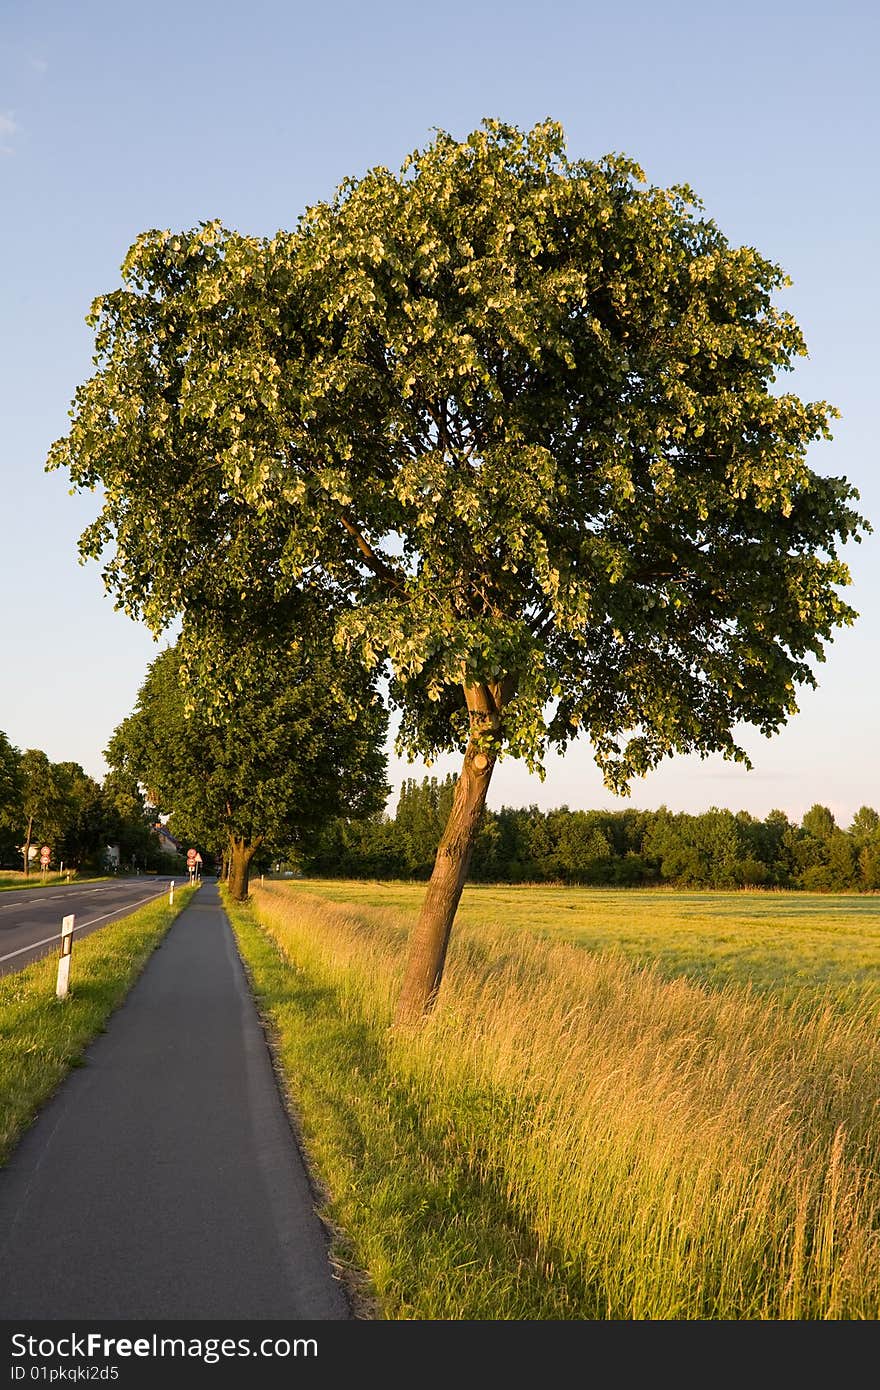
(191, 856)
(45, 855)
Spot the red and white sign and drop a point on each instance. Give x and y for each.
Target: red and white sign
(192, 856)
(45, 856)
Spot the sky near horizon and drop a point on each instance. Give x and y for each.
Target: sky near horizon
(116, 117)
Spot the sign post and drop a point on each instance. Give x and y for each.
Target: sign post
(64, 959)
(191, 860)
(45, 856)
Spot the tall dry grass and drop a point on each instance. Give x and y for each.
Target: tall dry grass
(676, 1152)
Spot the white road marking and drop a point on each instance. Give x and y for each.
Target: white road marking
(32, 893)
(8, 907)
(57, 937)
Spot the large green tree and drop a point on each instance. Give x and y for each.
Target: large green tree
(41, 814)
(130, 820)
(84, 822)
(10, 799)
(519, 417)
(296, 739)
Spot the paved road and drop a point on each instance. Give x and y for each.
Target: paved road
(162, 1181)
(30, 918)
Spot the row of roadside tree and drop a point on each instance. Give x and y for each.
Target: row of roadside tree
(60, 805)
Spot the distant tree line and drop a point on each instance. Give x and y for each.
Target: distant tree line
(60, 805)
(716, 849)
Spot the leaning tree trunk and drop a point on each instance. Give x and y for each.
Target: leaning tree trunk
(241, 852)
(430, 937)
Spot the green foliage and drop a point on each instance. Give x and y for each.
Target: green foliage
(85, 827)
(69, 811)
(130, 821)
(717, 849)
(10, 800)
(64, 807)
(41, 804)
(295, 739)
(819, 822)
(514, 417)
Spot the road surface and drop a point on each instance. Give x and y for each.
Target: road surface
(30, 918)
(163, 1181)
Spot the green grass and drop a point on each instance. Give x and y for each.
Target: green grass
(42, 1037)
(781, 943)
(419, 1233)
(573, 1135)
(10, 881)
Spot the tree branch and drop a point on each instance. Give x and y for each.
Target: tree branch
(374, 562)
(546, 628)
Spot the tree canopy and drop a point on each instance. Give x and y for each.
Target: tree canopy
(521, 407)
(273, 764)
(57, 804)
(516, 418)
(10, 798)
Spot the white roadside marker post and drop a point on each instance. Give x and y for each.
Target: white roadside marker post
(171, 894)
(64, 958)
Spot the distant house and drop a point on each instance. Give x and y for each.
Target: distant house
(167, 843)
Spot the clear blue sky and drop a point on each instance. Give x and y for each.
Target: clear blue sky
(116, 117)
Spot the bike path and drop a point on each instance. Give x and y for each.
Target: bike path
(163, 1179)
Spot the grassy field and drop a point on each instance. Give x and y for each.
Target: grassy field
(41, 1037)
(786, 943)
(649, 1128)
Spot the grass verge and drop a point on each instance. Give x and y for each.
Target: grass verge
(42, 1037)
(571, 1136)
(13, 882)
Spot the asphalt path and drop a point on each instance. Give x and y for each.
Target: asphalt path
(30, 918)
(163, 1180)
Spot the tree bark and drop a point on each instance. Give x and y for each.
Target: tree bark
(241, 852)
(430, 937)
(27, 848)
